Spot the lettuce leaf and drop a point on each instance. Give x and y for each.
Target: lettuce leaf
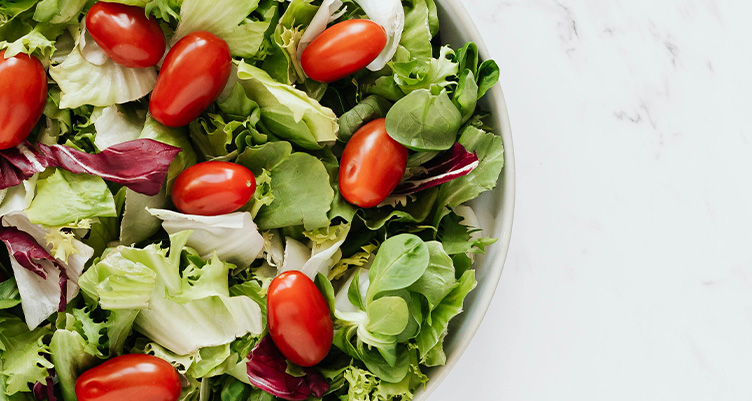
(22, 352)
(232, 237)
(103, 85)
(190, 306)
(288, 208)
(288, 112)
(64, 198)
(40, 277)
(228, 19)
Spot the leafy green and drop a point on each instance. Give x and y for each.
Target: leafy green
(103, 85)
(490, 151)
(291, 174)
(438, 279)
(488, 75)
(9, 296)
(58, 11)
(64, 197)
(387, 316)
(371, 108)
(465, 97)
(400, 262)
(424, 121)
(414, 74)
(288, 112)
(433, 333)
(22, 353)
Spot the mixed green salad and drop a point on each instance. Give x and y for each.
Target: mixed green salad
(268, 195)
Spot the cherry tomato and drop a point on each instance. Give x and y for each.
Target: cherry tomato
(23, 94)
(343, 49)
(299, 319)
(193, 75)
(130, 377)
(125, 33)
(372, 165)
(213, 188)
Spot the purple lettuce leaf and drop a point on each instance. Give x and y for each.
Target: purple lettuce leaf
(28, 253)
(267, 370)
(454, 163)
(45, 391)
(140, 165)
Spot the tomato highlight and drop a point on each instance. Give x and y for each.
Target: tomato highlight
(343, 49)
(372, 165)
(299, 319)
(213, 188)
(23, 95)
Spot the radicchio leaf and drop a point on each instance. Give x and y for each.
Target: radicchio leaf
(27, 252)
(45, 391)
(455, 163)
(140, 165)
(267, 370)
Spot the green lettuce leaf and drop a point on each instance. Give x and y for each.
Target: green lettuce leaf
(23, 354)
(287, 183)
(100, 85)
(490, 151)
(64, 198)
(59, 11)
(288, 112)
(432, 334)
(371, 108)
(228, 19)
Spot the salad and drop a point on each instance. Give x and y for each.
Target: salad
(235, 199)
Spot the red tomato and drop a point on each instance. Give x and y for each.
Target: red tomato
(299, 319)
(213, 188)
(372, 165)
(343, 49)
(193, 75)
(126, 34)
(130, 377)
(23, 94)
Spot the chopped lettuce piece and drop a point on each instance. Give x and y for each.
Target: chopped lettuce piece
(41, 288)
(103, 85)
(22, 352)
(288, 112)
(232, 237)
(64, 198)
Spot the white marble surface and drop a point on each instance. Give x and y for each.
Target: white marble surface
(629, 275)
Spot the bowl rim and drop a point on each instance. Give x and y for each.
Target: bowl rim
(504, 221)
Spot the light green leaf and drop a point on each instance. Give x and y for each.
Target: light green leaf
(118, 283)
(292, 175)
(100, 85)
(288, 112)
(64, 198)
(465, 96)
(226, 19)
(438, 279)
(71, 359)
(387, 316)
(58, 11)
(431, 334)
(490, 151)
(23, 354)
(423, 121)
(400, 262)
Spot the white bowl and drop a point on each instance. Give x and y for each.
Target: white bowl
(495, 209)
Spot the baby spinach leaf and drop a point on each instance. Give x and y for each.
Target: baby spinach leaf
(400, 262)
(387, 316)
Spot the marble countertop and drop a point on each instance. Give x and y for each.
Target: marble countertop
(629, 274)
